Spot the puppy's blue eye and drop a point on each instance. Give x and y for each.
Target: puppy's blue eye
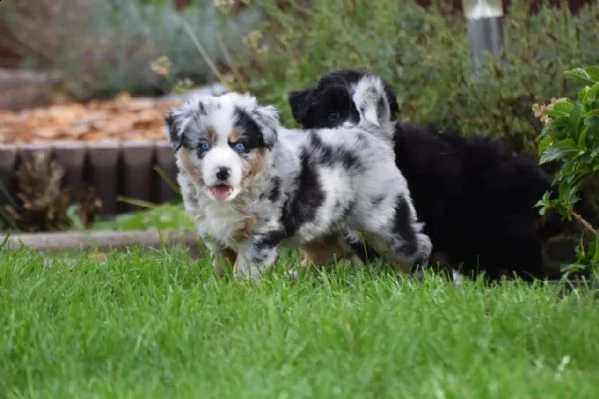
(333, 116)
(239, 147)
(205, 146)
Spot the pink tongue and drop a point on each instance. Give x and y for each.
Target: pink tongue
(221, 192)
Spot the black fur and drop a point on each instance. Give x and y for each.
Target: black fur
(475, 197)
(252, 136)
(309, 196)
(329, 103)
(330, 156)
(275, 190)
(173, 131)
(403, 226)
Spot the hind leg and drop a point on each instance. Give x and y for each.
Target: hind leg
(403, 254)
(401, 237)
(362, 251)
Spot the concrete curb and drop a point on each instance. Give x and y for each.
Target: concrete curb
(85, 241)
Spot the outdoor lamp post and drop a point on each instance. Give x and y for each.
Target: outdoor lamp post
(485, 28)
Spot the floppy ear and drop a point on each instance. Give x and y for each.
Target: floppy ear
(393, 101)
(371, 115)
(268, 118)
(299, 101)
(175, 121)
(172, 130)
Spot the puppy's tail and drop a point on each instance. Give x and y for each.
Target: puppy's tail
(373, 105)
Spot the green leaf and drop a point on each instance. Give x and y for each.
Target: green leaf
(572, 267)
(591, 121)
(582, 93)
(591, 94)
(582, 138)
(574, 121)
(592, 129)
(579, 75)
(137, 202)
(553, 153)
(595, 248)
(74, 217)
(564, 106)
(593, 72)
(544, 144)
(567, 143)
(171, 183)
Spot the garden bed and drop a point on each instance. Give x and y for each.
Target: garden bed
(116, 146)
(113, 146)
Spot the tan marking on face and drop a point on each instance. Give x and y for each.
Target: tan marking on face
(192, 168)
(234, 136)
(257, 165)
(211, 135)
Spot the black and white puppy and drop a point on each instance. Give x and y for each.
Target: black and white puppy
(475, 198)
(252, 185)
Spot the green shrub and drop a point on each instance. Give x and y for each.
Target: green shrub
(424, 54)
(104, 47)
(571, 136)
(162, 217)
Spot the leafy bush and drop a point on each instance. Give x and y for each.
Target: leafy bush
(157, 217)
(105, 47)
(424, 54)
(571, 137)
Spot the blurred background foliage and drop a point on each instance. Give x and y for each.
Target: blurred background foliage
(270, 47)
(101, 48)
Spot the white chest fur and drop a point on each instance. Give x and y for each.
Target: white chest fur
(224, 221)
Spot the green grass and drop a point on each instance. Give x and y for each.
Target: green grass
(158, 325)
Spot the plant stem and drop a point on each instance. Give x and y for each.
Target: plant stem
(584, 223)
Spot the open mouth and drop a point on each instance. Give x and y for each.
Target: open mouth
(221, 191)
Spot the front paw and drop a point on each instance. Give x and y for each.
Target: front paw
(244, 270)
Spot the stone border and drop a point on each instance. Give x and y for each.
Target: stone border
(101, 240)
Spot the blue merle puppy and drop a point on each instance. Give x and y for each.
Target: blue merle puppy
(253, 186)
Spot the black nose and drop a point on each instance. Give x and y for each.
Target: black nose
(223, 173)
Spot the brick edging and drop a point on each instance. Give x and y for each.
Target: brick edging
(113, 168)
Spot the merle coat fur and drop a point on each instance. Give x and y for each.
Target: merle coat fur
(252, 185)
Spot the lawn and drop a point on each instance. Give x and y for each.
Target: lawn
(160, 325)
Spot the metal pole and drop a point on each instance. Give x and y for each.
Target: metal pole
(484, 19)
